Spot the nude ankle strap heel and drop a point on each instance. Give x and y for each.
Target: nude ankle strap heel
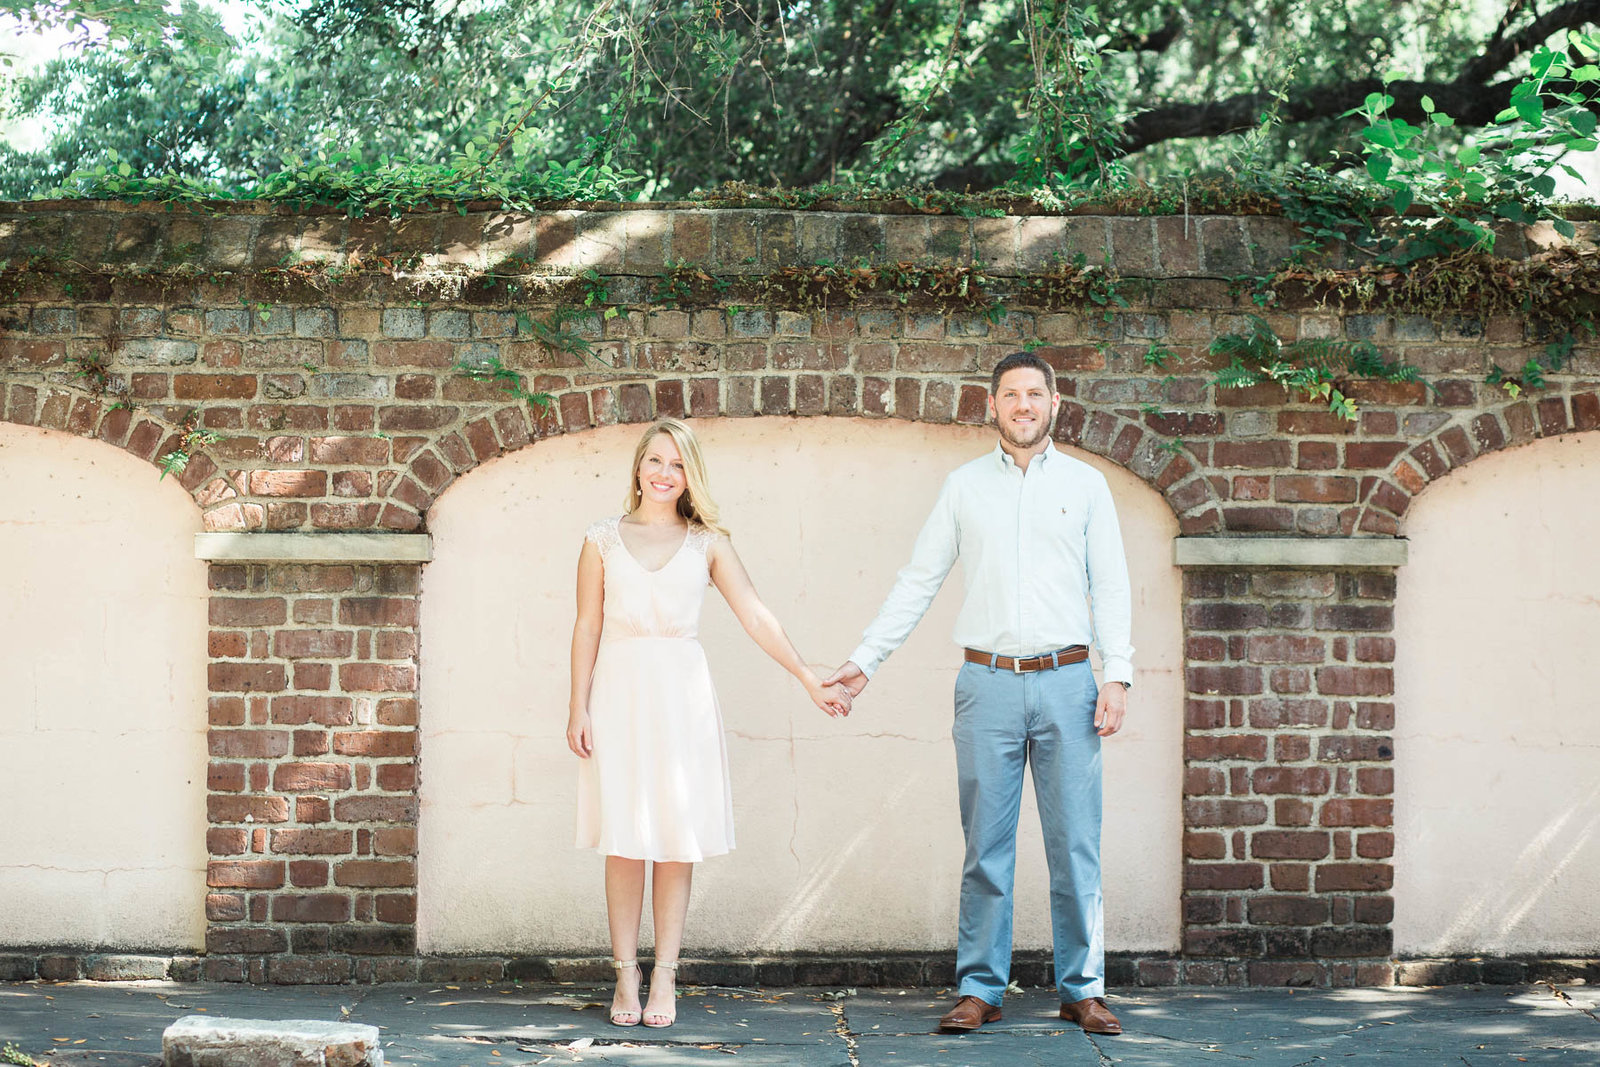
(658, 1020)
(623, 1018)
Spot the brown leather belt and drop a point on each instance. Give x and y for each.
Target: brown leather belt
(1048, 661)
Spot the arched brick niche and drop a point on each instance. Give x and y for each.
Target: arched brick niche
(1496, 616)
(102, 701)
(829, 813)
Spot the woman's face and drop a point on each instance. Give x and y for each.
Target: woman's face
(660, 473)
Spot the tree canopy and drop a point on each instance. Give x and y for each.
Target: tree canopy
(661, 98)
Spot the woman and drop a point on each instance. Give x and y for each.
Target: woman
(653, 784)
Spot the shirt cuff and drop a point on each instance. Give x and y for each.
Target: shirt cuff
(1119, 670)
(867, 660)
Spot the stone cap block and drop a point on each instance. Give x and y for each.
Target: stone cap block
(204, 1041)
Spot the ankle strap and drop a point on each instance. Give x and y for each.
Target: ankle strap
(618, 965)
(660, 966)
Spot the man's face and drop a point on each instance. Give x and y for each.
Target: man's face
(1024, 408)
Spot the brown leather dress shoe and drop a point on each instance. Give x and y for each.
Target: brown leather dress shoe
(1092, 1014)
(968, 1014)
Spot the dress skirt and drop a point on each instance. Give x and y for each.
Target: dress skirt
(656, 786)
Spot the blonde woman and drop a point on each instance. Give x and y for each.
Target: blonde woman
(653, 782)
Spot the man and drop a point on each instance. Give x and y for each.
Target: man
(1038, 537)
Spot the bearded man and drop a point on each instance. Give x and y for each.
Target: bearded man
(1037, 533)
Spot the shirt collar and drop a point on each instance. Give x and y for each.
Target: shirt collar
(1007, 463)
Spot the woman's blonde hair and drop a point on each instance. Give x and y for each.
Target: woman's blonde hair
(695, 504)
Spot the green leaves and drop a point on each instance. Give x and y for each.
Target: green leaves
(1311, 367)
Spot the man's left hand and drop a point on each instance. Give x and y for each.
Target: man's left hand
(1109, 709)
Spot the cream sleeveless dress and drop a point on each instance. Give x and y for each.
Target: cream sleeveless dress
(656, 786)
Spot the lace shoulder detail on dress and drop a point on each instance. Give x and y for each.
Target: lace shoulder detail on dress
(701, 538)
(604, 535)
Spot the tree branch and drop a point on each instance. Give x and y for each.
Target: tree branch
(1500, 51)
(1467, 98)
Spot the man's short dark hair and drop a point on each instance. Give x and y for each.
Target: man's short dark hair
(1022, 360)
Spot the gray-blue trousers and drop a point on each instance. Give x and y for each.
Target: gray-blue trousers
(1004, 722)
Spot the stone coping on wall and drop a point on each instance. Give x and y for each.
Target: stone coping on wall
(1352, 552)
(647, 238)
(231, 547)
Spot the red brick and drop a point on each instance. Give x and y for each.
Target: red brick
(247, 611)
(1340, 811)
(299, 710)
(248, 744)
(222, 809)
(1288, 844)
(377, 678)
(397, 711)
(227, 841)
(312, 809)
(397, 777)
(394, 809)
(317, 676)
(1288, 911)
(1285, 648)
(1228, 681)
(1204, 846)
(311, 743)
(1226, 747)
(1205, 714)
(308, 874)
(396, 908)
(1208, 812)
(349, 451)
(1375, 846)
(1372, 909)
(401, 841)
(308, 777)
(290, 483)
(225, 778)
(1375, 649)
(245, 874)
(378, 611)
(1258, 519)
(1258, 455)
(303, 842)
(1290, 877)
(1271, 712)
(1355, 681)
(1354, 877)
(214, 386)
(311, 908)
(1202, 781)
(312, 644)
(1222, 876)
(231, 677)
(224, 907)
(1307, 781)
(375, 873)
(1375, 781)
(1225, 616)
(1314, 489)
(376, 743)
(1347, 748)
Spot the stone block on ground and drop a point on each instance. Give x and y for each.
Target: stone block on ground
(203, 1041)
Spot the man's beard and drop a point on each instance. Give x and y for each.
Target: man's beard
(1040, 432)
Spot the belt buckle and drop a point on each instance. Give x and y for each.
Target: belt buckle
(1016, 665)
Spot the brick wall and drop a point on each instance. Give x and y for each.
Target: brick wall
(312, 782)
(322, 350)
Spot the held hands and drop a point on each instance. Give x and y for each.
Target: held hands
(833, 699)
(849, 676)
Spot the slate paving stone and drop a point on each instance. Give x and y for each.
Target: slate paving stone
(1000, 1048)
(529, 1026)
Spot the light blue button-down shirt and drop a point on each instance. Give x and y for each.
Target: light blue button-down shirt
(1036, 546)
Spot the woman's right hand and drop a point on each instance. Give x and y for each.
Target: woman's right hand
(580, 735)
